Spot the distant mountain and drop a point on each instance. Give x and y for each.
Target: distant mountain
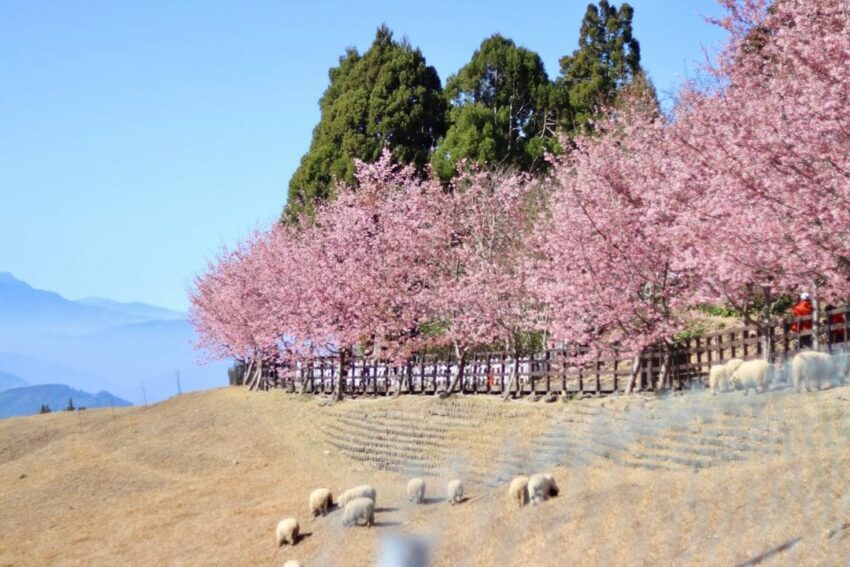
(131, 349)
(29, 399)
(134, 309)
(8, 380)
(26, 311)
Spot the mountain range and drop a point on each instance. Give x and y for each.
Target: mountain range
(138, 352)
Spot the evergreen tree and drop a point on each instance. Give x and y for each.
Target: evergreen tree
(70, 405)
(387, 97)
(502, 113)
(607, 60)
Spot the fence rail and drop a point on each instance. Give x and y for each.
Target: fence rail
(566, 371)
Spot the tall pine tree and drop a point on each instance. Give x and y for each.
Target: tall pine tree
(607, 60)
(387, 97)
(502, 111)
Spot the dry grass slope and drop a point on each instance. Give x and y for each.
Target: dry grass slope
(203, 479)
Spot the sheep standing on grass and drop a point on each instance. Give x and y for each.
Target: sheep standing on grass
(755, 374)
(811, 369)
(321, 501)
(718, 376)
(287, 531)
(357, 510)
(518, 491)
(541, 487)
(416, 490)
(362, 491)
(455, 491)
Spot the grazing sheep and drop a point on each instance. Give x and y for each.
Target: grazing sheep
(455, 491)
(321, 501)
(292, 563)
(362, 491)
(541, 487)
(518, 491)
(810, 369)
(416, 490)
(755, 374)
(357, 510)
(287, 531)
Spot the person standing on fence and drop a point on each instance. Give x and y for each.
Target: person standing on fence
(803, 308)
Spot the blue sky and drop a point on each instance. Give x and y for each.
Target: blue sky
(139, 138)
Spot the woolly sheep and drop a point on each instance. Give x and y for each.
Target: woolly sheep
(292, 563)
(287, 531)
(321, 501)
(357, 510)
(541, 487)
(518, 491)
(718, 376)
(810, 369)
(362, 491)
(755, 374)
(416, 490)
(455, 491)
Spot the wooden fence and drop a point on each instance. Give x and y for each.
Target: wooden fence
(565, 371)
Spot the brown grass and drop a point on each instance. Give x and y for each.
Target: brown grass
(202, 480)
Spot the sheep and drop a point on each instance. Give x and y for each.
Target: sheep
(541, 487)
(755, 374)
(362, 491)
(321, 501)
(287, 531)
(357, 510)
(292, 563)
(518, 491)
(416, 490)
(455, 491)
(810, 369)
(718, 376)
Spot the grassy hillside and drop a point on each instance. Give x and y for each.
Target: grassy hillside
(203, 478)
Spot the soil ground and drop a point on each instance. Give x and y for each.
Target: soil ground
(202, 479)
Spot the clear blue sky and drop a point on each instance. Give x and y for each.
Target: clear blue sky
(138, 138)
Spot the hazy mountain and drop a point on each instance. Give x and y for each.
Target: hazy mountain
(131, 349)
(26, 311)
(9, 380)
(29, 399)
(134, 309)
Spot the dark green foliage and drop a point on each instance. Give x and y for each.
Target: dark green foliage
(387, 97)
(608, 59)
(504, 110)
(70, 406)
(45, 409)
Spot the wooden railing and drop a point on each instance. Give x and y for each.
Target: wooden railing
(567, 371)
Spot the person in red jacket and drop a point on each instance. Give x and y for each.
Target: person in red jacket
(803, 308)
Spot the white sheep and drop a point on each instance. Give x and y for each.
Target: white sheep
(755, 374)
(541, 487)
(287, 531)
(454, 491)
(362, 491)
(719, 374)
(810, 369)
(357, 510)
(518, 491)
(292, 563)
(321, 501)
(416, 490)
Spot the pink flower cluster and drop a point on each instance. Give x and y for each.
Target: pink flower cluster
(747, 184)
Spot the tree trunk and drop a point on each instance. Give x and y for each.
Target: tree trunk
(344, 363)
(246, 376)
(514, 377)
(661, 383)
(815, 321)
(461, 362)
(635, 371)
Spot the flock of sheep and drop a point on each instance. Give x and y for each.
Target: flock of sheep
(808, 369)
(358, 503)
